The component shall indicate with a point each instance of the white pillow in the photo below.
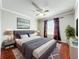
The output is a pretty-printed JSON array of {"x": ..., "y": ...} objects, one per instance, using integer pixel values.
[
  {"x": 24, "y": 36},
  {"x": 35, "y": 34}
]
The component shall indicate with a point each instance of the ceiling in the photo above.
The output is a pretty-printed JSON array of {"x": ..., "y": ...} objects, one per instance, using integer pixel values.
[{"x": 25, "y": 7}]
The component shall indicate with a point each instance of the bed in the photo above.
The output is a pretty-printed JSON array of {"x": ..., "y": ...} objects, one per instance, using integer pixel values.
[{"x": 34, "y": 47}]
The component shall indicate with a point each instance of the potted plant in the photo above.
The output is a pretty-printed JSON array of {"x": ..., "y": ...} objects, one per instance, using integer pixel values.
[{"x": 70, "y": 33}]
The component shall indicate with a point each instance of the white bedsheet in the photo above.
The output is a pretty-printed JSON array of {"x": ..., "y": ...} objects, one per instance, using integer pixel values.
[
  {"x": 21, "y": 41},
  {"x": 39, "y": 51}
]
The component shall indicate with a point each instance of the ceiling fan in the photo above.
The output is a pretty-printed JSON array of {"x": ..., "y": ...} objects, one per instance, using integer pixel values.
[{"x": 38, "y": 9}]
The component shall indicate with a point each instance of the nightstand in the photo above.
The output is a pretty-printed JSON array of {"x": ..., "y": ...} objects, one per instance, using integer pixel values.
[{"x": 8, "y": 44}]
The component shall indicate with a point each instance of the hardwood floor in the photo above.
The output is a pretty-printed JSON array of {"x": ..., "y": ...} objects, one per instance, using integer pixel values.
[
  {"x": 7, "y": 54},
  {"x": 64, "y": 53}
]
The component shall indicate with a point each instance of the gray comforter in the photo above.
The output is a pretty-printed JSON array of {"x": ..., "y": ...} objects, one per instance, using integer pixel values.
[{"x": 28, "y": 47}]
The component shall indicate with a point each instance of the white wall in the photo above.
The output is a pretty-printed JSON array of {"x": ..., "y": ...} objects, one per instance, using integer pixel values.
[
  {"x": 67, "y": 20},
  {"x": 0, "y": 24},
  {"x": 76, "y": 9},
  {"x": 9, "y": 20},
  {"x": 41, "y": 27},
  {"x": 0, "y": 32},
  {"x": 0, "y": 28}
]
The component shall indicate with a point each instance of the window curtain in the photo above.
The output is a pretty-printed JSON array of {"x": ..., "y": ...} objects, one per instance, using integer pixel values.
[
  {"x": 45, "y": 28},
  {"x": 56, "y": 29}
]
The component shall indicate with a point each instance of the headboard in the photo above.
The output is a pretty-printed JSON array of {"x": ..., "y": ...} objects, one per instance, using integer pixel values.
[{"x": 17, "y": 33}]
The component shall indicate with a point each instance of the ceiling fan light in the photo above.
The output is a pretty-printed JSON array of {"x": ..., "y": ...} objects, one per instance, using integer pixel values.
[{"x": 46, "y": 11}]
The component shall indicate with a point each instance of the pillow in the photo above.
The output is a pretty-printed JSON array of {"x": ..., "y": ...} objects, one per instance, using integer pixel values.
[
  {"x": 17, "y": 36},
  {"x": 24, "y": 36},
  {"x": 35, "y": 34}
]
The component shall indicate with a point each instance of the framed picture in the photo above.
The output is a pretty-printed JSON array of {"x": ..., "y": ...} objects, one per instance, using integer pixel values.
[
  {"x": 23, "y": 23},
  {"x": 77, "y": 27}
]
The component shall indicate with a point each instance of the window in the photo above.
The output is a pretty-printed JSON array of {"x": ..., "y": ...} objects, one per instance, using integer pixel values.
[{"x": 50, "y": 29}]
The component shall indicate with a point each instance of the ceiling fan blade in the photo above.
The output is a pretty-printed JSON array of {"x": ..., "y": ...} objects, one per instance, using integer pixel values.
[
  {"x": 38, "y": 8},
  {"x": 46, "y": 11},
  {"x": 34, "y": 4}
]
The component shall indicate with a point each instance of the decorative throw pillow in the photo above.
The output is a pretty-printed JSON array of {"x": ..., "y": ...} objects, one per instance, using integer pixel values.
[{"x": 24, "y": 36}]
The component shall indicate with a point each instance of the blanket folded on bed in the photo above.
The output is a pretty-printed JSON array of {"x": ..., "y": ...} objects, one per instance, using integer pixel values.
[{"x": 29, "y": 46}]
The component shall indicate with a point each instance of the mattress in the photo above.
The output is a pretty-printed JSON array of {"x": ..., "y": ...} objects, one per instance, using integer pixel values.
[{"x": 40, "y": 50}]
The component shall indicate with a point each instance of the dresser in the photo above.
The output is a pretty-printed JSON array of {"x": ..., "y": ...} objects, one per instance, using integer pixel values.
[{"x": 73, "y": 50}]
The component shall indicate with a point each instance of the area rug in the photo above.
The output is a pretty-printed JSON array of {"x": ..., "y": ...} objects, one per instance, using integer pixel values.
[
  {"x": 17, "y": 54},
  {"x": 54, "y": 55}
]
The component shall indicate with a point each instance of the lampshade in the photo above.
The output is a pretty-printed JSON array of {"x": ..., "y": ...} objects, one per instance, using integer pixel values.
[
  {"x": 8, "y": 35},
  {"x": 8, "y": 32}
]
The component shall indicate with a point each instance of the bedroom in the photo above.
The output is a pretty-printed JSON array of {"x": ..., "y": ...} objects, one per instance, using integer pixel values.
[{"x": 37, "y": 17}]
